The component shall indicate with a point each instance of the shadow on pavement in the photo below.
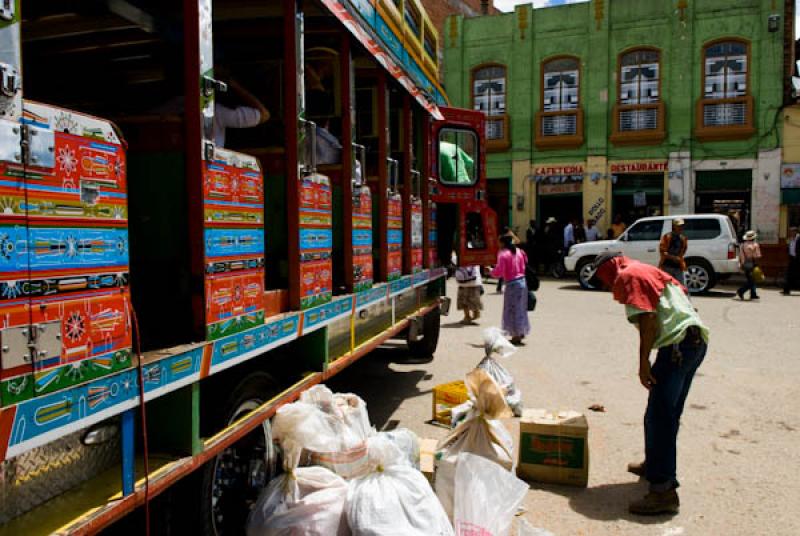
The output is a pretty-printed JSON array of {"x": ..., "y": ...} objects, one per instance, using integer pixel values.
[
  {"x": 576, "y": 286},
  {"x": 717, "y": 294},
  {"x": 382, "y": 387},
  {"x": 607, "y": 502}
]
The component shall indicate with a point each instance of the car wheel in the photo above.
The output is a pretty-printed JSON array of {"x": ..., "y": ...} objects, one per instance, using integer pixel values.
[
  {"x": 699, "y": 276},
  {"x": 585, "y": 273}
]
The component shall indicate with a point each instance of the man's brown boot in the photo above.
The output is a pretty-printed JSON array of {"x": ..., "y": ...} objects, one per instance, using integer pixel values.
[
  {"x": 656, "y": 503},
  {"x": 637, "y": 469}
]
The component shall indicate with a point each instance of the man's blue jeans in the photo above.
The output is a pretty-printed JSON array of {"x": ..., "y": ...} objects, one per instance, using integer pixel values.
[{"x": 673, "y": 372}]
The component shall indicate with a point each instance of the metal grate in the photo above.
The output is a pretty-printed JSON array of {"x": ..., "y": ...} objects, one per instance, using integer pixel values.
[
  {"x": 495, "y": 129},
  {"x": 717, "y": 115},
  {"x": 638, "y": 119},
  {"x": 559, "y": 125}
]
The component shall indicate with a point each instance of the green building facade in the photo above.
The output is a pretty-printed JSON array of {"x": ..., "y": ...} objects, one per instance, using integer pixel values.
[{"x": 628, "y": 107}]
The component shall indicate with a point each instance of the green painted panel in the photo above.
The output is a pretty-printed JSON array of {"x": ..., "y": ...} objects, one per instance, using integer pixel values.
[
  {"x": 734, "y": 179},
  {"x": 791, "y": 196}
]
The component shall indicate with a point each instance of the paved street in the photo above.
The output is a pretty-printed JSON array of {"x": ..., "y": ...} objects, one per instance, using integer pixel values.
[{"x": 738, "y": 448}]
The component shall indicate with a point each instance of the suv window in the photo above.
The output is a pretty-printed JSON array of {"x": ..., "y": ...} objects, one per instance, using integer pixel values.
[
  {"x": 645, "y": 230},
  {"x": 697, "y": 229}
]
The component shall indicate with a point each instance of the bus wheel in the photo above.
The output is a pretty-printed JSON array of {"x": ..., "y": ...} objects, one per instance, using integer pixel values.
[
  {"x": 424, "y": 347},
  {"x": 232, "y": 481}
]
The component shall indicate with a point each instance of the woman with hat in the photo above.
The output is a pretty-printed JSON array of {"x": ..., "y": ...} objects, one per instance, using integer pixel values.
[
  {"x": 749, "y": 254},
  {"x": 511, "y": 264}
]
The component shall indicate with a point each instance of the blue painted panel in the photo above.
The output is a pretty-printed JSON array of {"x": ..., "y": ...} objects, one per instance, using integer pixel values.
[
  {"x": 234, "y": 242},
  {"x": 236, "y": 345},
  {"x": 53, "y": 248},
  {"x": 171, "y": 369},
  {"x": 400, "y": 284},
  {"x": 50, "y": 412},
  {"x": 128, "y": 440},
  {"x": 311, "y": 239},
  {"x": 394, "y": 236},
  {"x": 319, "y": 315},
  {"x": 362, "y": 238},
  {"x": 371, "y": 296},
  {"x": 390, "y": 40}
]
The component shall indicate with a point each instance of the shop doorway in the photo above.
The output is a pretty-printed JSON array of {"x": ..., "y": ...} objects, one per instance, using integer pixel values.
[
  {"x": 498, "y": 191},
  {"x": 562, "y": 207},
  {"x": 726, "y": 192},
  {"x": 637, "y": 196}
]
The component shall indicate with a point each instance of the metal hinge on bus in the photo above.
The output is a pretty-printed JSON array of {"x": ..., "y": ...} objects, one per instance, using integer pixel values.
[
  {"x": 480, "y": 195},
  {"x": 9, "y": 79},
  {"x": 8, "y": 9},
  {"x": 39, "y": 146}
]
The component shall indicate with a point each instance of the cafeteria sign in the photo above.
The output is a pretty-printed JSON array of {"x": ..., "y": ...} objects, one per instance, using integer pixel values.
[
  {"x": 790, "y": 176},
  {"x": 558, "y": 174}
]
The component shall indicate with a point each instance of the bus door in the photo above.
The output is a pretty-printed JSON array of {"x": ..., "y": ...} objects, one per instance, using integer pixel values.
[{"x": 465, "y": 225}]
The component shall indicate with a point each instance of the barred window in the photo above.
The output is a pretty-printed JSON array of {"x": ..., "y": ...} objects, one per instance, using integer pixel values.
[
  {"x": 489, "y": 90},
  {"x": 561, "y": 85}
]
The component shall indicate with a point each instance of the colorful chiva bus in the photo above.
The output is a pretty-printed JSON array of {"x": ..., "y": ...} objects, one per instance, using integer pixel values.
[{"x": 170, "y": 276}]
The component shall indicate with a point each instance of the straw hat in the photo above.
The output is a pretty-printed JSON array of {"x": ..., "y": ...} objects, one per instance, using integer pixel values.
[
  {"x": 678, "y": 222},
  {"x": 750, "y": 235},
  {"x": 551, "y": 220}
]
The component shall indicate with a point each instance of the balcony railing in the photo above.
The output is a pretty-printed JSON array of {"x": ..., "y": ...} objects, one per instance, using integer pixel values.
[
  {"x": 559, "y": 129},
  {"x": 497, "y": 132},
  {"x": 638, "y": 124},
  {"x": 724, "y": 119}
]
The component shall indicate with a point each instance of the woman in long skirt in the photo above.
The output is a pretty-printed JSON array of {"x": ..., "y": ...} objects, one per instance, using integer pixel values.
[{"x": 511, "y": 263}]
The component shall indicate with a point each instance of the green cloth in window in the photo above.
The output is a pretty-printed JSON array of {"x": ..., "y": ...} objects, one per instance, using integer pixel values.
[
  {"x": 456, "y": 166},
  {"x": 674, "y": 314}
]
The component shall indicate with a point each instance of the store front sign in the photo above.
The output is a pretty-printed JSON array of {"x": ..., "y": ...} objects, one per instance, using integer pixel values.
[
  {"x": 558, "y": 174},
  {"x": 790, "y": 176},
  {"x": 639, "y": 167},
  {"x": 556, "y": 189}
]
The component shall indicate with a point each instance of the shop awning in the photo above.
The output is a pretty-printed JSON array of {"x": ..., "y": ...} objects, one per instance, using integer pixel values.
[{"x": 415, "y": 83}]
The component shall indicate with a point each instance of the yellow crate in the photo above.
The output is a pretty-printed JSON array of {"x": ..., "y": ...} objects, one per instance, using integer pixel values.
[{"x": 445, "y": 398}]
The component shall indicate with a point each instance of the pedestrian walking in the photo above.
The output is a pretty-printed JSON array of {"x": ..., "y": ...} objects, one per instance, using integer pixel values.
[
  {"x": 506, "y": 231},
  {"x": 532, "y": 239},
  {"x": 470, "y": 289},
  {"x": 749, "y": 254},
  {"x": 668, "y": 322},
  {"x": 579, "y": 232},
  {"x": 793, "y": 270},
  {"x": 511, "y": 263},
  {"x": 569, "y": 235},
  {"x": 673, "y": 249}
]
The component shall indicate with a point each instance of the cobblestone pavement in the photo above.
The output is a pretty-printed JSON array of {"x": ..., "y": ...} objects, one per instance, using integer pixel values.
[{"x": 738, "y": 448}]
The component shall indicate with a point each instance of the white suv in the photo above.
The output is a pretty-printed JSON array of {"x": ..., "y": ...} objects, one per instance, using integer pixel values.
[{"x": 711, "y": 255}]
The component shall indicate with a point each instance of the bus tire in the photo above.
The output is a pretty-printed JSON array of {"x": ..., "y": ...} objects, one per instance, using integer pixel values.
[
  {"x": 425, "y": 347},
  {"x": 231, "y": 482}
]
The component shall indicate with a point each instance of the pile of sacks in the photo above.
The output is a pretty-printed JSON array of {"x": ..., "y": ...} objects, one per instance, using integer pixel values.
[{"x": 342, "y": 477}]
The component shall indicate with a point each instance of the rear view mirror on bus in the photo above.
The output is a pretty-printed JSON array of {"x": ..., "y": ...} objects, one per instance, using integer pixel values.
[{"x": 458, "y": 157}]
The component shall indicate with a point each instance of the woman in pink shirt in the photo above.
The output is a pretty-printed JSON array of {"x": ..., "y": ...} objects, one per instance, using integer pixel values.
[{"x": 511, "y": 263}]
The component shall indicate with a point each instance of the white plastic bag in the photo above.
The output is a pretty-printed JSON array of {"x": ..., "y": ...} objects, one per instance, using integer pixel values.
[
  {"x": 317, "y": 437},
  {"x": 487, "y": 497},
  {"x": 394, "y": 499},
  {"x": 353, "y": 411},
  {"x": 407, "y": 442},
  {"x": 494, "y": 342},
  {"x": 480, "y": 433},
  {"x": 505, "y": 380},
  {"x": 305, "y": 501}
]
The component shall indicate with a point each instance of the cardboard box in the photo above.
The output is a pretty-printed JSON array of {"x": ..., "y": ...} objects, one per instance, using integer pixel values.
[
  {"x": 427, "y": 455},
  {"x": 445, "y": 398},
  {"x": 554, "y": 448}
]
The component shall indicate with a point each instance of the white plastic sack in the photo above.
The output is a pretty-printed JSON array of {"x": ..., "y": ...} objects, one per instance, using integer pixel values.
[
  {"x": 487, "y": 497},
  {"x": 504, "y": 379},
  {"x": 407, "y": 442},
  {"x": 354, "y": 414},
  {"x": 305, "y": 501},
  {"x": 304, "y": 425},
  {"x": 394, "y": 499},
  {"x": 494, "y": 342},
  {"x": 480, "y": 433}
]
